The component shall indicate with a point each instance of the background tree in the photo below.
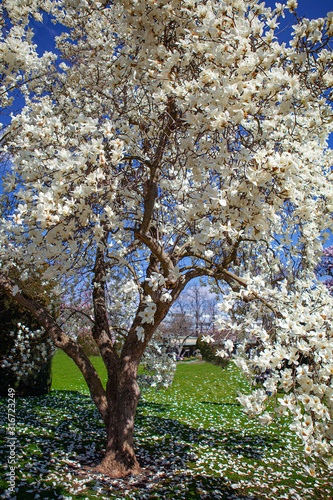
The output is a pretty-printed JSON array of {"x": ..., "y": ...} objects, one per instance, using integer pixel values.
[
  {"x": 325, "y": 268},
  {"x": 192, "y": 314},
  {"x": 170, "y": 140},
  {"x": 201, "y": 305},
  {"x": 176, "y": 328}
]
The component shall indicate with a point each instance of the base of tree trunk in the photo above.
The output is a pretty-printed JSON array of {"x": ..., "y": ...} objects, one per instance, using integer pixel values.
[{"x": 116, "y": 466}]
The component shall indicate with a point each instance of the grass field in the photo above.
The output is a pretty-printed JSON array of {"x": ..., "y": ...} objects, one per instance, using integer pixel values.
[{"x": 193, "y": 441}]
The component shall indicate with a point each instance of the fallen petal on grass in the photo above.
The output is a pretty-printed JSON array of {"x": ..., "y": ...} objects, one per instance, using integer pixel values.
[{"x": 193, "y": 441}]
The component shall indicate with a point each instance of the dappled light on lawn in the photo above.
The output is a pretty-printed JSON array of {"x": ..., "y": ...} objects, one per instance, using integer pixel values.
[{"x": 193, "y": 441}]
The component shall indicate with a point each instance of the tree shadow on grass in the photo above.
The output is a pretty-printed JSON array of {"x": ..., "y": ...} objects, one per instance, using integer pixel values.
[
  {"x": 160, "y": 407},
  {"x": 50, "y": 438},
  {"x": 44, "y": 439},
  {"x": 181, "y": 486},
  {"x": 248, "y": 445},
  {"x": 219, "y": 404}
]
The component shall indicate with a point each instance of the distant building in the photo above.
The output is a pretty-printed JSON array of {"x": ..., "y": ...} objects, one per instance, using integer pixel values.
[{"x": 184, "y": 347}]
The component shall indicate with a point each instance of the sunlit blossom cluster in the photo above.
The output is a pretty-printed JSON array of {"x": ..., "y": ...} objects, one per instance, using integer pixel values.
[
  {"x": 19, "y": 60},
  {"x": 71, "y": 157},
  {"x": 291, "y": 363},
  {"x": 159, "y": 367}
]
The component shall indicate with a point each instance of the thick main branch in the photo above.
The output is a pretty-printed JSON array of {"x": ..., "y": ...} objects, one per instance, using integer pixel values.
[
  {"x": 101, "y": 330},
  {"x": 151, "y": 186},
  {"x": 156, "y": 248}
]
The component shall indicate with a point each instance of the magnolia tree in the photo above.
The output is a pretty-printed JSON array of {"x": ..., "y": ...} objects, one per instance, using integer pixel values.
[{"x": 173, "y": 137}]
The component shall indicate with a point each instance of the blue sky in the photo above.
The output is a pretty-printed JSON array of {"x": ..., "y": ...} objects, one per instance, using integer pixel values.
[
  {"x": 317, "y": 8},
  {"x": 310, "y": 8}
]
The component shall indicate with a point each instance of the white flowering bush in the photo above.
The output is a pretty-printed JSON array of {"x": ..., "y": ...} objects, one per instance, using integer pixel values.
[{"x": 30, "y": 352}]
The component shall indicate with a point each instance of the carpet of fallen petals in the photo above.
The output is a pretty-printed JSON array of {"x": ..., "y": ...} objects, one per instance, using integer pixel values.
[{"x": 190, "y": 446}]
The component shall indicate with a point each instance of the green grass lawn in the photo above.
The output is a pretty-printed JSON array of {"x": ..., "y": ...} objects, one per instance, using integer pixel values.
[{"x": 193, "y": 440}]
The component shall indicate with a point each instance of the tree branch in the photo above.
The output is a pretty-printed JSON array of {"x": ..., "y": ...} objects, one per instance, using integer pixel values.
[
  {"x": 77, "y": 311},
  {"x": 62, "y": 341},
  {"x": 101, "y": 330},
  {"x": 157, "y": 249},
  {"x": 152, "y": 190}
]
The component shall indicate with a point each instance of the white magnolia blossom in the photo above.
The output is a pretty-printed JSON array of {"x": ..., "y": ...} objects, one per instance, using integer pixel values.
[
  {"x": 228, "y": 344},
  {"x": 147, "y": 315},
  {"x": 221, "y": 353},
  {"x": 16, "y": 290},
  {"x": 140, "y": 333},
  {"x": 156, "y": 280},
  {"x": 208, "y": 339}
]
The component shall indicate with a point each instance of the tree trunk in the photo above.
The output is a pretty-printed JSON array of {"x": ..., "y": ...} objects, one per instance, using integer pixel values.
[{"x": 123, "y": 395}]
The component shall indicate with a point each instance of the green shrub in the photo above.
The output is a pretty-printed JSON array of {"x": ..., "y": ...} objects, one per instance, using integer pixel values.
[{"x": 208, "y": 353}]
